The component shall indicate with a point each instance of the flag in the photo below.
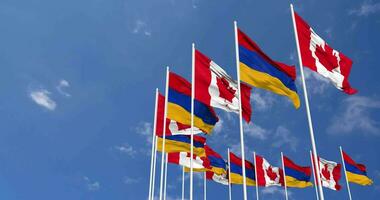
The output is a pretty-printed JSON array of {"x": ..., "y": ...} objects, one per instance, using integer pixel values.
[
  {"x": 179, "y": 105},
  {"x": 214, "y": 87},
  {"x": 267, "y": 175},
  {"x": 217, "y": 164},
  {"x": 259, "y": 70},
  {"x": 182, "y": 143},
  {"x": 184, "y": 159},
  {"x": 330, "y": 174},
  {"x": 172, "y": 127},
  {"x": 222, "y": 178},
  {"x": 212, "y": 162},
  {"x": 355, "y": 172},
  {"x": 318, "y": 56},
  {"x": 236, "y": 175},
  {"x": 295, "y": 175}
]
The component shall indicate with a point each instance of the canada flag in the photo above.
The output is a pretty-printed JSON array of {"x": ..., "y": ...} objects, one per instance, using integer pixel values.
[
  {"x": 330, "y": 174},
  {"x": 267, "y": 175},
  {"x": 318, "y": 56},
  {"x": 214, "y": 87}
]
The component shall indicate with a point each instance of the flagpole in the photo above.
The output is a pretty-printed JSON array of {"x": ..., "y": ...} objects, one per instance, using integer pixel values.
[
  {"x": 314, "y": 148},
  {"x": 154, "y": 167},
  {"x": 229, "y": 175},
  {"x": 183, "y": 183},
  {"x": 166, "y": 174},
  {"x": 164, "y": 132},
  {"x": 192, "y": 118},
  {"x": 315, "y": 180},
  {"x": 283, "y": 171},
  {"x": 240, "y": 111},
  {"x": 256, "y": 179},
  {"x": 345, "y": 172},
  {"x": 204, "y": 187},
  {"x": 153, "y": 144}
]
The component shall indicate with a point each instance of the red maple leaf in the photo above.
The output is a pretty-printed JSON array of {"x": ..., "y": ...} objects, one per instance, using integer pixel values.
[
  {"x": 325, "y": 172},
  {"x": 272, "y": 175}
]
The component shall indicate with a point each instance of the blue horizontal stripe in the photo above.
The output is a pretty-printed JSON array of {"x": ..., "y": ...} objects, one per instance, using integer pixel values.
[
  {"x": 200, "y": 110},
  {"x": 217, "y": 162},
  {"x": 184, "y": 139},
  {"x": 296, "y": 174},
  {"x": 250, "y": 173},
  {"x": 256, "y": 62},
  {"x": 353, "y": 169}
]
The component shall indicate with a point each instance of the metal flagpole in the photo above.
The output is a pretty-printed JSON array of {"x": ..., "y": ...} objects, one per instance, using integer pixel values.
[
  {"x": 345, "y": 173},
  {"x": 257, "y": 183},
  {"x": 204, "y": 187},
  {"x": 314, "y": 148},
  {"x": 154, "y": 167},
  {"x": 192, "y": 118},
  {"x": 183, "y": 183},
  {"x": 315, "y": 180},
  {"x": 229, "y": 175},
  {"x": 164, "y": 132},
  {"x": 240, "y": 111},
  {"x": 166, "y": 175},
  {"x": 283, "y": 171},
  {"x": 153, "y": 144}
]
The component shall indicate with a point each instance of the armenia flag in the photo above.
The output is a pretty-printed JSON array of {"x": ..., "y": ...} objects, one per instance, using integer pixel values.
[
  {"x": 179, "y": 105},
  {"x": 182, "y": 143},
  {"x": 236, "y": 175},
  {"x": 259, "y": 70},
  {"x": 295, "y": 175},
  {"x": 355, "y": 172}
]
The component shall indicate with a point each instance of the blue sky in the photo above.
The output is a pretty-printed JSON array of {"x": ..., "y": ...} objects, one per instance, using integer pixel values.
[{"x": 77, "y": 88}]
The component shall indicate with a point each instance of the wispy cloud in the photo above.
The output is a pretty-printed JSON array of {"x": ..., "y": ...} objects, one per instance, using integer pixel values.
[
  {"x": 42, "y": 98},
  {"x": 130, "y": 180},
  {"x": 255, "y": 131},
  {"x": 91, "y": 185},
  {"x": 140, "y": 27},
  {"x": 283, "y": 136},
  {"x": 316, "y": 84},
  {"x": 262, "y": 100},
  {"x": 365, "y": 9},
  {"x": 146, "y": 130},
  {"x": 356, "y": 115},
  {"x": 126, "y": 149},
  {"x": 61, "y": 86},
  {"x": 218, "y": 127},
  {"x": 275, "y": 190}
]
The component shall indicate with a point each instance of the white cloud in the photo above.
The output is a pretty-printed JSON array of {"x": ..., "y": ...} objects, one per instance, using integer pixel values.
[
  {"x": 262, "y": 100},
  {"x": 60, "y": 87},
  {"x": 275, "y": 190},
  {"x": 91, "y": 185},
  {"x": 141, "y": 27},
  {"x": 283, "y": 137},
  {"x": 255, "y": 131},
  {"x": 130, "y": 180},
  {"x": 356, "y": 115},
  {"x": 41, "y": 97},
  {"x": 146, "y": 130},
  {"x": 366, "y": 8},
  {"x": 126, "y": 149},
  {"x": 218, "y": 127},
  {"x": 316, "y": 84}
]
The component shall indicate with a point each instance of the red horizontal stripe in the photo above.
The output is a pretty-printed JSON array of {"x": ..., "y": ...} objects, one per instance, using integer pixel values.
[
  {"x": 349, "y": 160},
  {"x": 237, "y": 161},
  {"x": 290, "y": 164}
]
